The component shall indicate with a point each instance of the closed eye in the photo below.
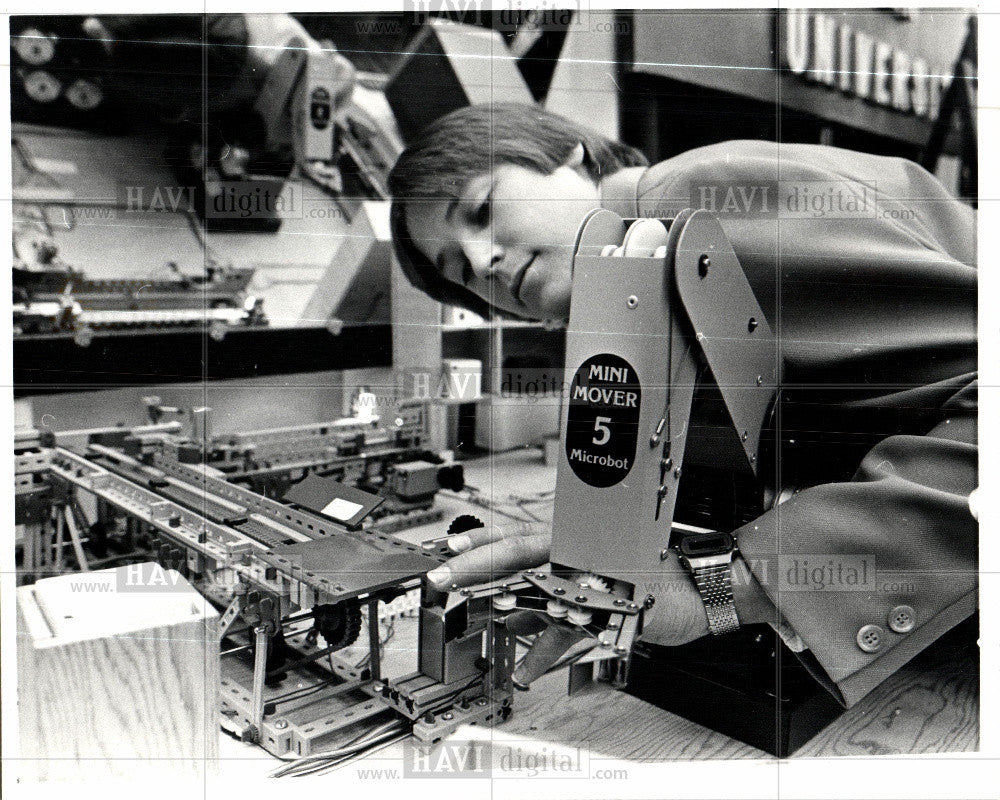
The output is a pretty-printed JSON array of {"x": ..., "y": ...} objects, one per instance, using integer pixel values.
[{"x": 482, "y": 215}]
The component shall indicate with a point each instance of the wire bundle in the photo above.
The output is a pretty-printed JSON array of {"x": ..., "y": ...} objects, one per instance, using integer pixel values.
[{"x": 319, "y": 763}]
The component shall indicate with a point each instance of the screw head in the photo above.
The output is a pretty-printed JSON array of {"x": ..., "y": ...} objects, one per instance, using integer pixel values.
[
  {"x": 632, "y": 606},
  {"x": 677, "y": 472},
  {"x": 632, "y": 301},
  {"x": 481, "y": 701},
  {"x": 760, "y": 380},
  {"x": 613, "y": 626},
  {"x": 752, "y": 324},
  {"x": 559, "y": 590},
  {"x": 619, "y": 602},
  {"x": 743, "y": 436},
  {"x": 581, "y": 598},
  {"x": 703, "y": 264},
  {"x": 447, "y": 715},
  {"x": 664, "y": 555},
  {"x": 621, "y": 649},
  {"x": 281, "y": 724}
]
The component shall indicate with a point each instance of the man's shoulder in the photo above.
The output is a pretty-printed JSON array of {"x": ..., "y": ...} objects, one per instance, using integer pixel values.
[{"x": 741, "y": 155}]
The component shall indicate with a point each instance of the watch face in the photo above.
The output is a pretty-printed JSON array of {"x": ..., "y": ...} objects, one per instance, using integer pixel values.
[{"x": 706, "y": 544}]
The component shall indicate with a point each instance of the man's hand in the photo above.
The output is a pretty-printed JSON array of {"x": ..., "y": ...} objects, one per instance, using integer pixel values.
[{"x": 483, "y": 555}]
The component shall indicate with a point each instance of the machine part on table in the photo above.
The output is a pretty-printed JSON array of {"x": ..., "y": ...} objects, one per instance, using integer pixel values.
[
  {"x": 465, "y": 522},
  {"x": 339, "y": 625}
]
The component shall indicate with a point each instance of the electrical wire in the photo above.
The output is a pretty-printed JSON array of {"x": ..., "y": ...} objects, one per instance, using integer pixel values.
[
  {"x": 396, "y": 729},
  {"x": 303, "y": 692},
  {"x": 322, "y": 768}
]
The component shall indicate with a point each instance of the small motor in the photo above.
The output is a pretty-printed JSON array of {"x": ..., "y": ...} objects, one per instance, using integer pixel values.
[{"x": 418, "y": 481}]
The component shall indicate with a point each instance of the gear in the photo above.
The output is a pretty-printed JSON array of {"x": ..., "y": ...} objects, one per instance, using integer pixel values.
[
  {"x": 339, "y": 625},
  {"x": 465, "y": 522}
]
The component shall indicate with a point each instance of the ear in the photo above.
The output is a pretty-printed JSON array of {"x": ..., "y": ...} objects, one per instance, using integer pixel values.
[{"x": 576, "y": 157}]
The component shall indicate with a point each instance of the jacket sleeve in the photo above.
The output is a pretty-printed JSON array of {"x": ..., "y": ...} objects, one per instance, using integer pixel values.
[
  {"x": 838, "y": 557},
  {"x": 874, "y": 307}
]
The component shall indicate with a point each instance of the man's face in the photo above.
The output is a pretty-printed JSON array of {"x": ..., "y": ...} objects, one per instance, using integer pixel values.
[{"x": 509, "y": 236}]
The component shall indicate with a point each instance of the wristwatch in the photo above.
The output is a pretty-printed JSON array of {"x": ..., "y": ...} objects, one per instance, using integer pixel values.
[{"x": 709, "y": 558}]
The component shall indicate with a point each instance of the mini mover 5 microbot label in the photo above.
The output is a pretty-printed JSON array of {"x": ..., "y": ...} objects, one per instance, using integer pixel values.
[{"x": 603, "y": 421}]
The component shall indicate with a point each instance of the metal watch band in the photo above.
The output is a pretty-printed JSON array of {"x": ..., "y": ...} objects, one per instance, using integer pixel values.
[{"x": 715, "y": 585}]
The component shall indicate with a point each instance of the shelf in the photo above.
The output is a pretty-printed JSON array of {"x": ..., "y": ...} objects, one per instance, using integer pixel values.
[{"x": 55, "y": 363}]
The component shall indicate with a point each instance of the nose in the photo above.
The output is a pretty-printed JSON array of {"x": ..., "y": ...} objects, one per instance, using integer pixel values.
[{"x": 483, "y": 254}]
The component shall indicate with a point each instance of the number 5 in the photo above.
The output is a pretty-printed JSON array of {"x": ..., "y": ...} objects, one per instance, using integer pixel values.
[{"x": 603, "y": 429}]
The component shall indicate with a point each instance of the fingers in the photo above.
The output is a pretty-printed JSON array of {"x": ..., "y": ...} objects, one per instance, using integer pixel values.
[
  {"x": 483, "y": 564},
  {"x": 550, "y": 645},
  {"x": 460, "y": 542}
]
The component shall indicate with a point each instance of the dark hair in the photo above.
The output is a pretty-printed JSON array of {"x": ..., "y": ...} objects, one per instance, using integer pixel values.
[{"x": 468, "y": 142}]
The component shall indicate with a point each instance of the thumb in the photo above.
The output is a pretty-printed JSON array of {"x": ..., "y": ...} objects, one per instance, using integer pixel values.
[{"x": 550, "y": 645}]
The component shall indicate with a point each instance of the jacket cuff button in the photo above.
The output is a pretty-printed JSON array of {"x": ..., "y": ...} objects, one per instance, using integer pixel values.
[
  {"x": 870, "y": 638},
  {"x": 902, "y": 619}
]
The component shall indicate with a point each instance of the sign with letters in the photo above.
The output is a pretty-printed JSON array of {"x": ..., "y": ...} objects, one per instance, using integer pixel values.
[{"x": 602, "y": 426}]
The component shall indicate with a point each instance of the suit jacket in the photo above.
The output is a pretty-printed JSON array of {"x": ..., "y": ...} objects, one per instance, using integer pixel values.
[{"x": 865, "y": 267}]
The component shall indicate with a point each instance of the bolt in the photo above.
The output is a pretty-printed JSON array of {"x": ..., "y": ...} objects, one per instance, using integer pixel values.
[
  {"x": 760, "y": 380},
  {"x": 281, "y": 724},
  {"x": 752, "y": 324},
  {"x": 466, "y": 593},
  {"x": 632, "y": 606},
  {"x": 619, "y": 602},
  {"x": 447, "y": 716},
  {"x": 743, "y": 436},
  {"x": 613, "y": 626},
  {"x": 703, "y": 264},
  {"x": 541, "y": 576},
  {"x": 621, "y": 649},
  {"x": 581, "y": 598},
  {"x": 677, "y": 472},
  {"x": 632, "y": 301},
  {"x": 481, "y": 701},
  {"x": 649, "y": 602},
  {"x": 530, "y": 573},
  {"x": 753, "y": 458},
  {"x": 559, "y": 590},
  {"x": 429, "y": 718},
  {"x": 664, "y": 555}
]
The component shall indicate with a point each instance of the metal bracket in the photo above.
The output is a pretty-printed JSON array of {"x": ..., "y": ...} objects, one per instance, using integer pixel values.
[{"x": 729, "y": 326}]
